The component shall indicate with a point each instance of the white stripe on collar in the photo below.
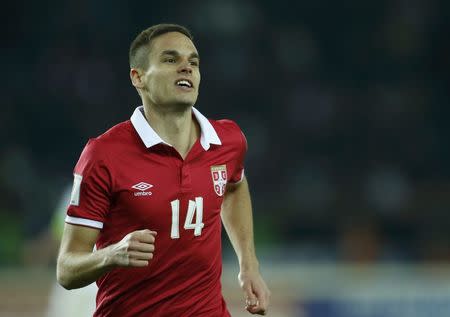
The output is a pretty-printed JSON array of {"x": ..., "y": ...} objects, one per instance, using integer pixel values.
[{"x": 150, "y": 137}]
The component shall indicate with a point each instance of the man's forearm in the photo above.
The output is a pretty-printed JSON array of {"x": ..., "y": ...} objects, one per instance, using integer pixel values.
[
  {"x": 78, "y": 269},
  {"x": 78, "y": 266},
  {"x": 238, "y": 222}
]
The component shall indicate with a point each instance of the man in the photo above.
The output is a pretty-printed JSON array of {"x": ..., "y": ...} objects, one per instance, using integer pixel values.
[{"x": 150, "y": 193}]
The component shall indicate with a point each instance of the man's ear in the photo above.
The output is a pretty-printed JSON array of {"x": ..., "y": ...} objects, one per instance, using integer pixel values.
[{"x": 136, "y": 78}]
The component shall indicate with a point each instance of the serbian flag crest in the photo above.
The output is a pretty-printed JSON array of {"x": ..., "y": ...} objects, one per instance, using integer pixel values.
[{"x": 219, "y": 177}]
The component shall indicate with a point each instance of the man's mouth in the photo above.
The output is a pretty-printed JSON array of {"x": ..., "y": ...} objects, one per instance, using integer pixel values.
[{"x": 184, "y": 83}]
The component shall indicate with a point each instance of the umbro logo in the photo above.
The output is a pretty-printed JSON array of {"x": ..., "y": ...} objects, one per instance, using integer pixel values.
[{"x": 142, "y": 187}]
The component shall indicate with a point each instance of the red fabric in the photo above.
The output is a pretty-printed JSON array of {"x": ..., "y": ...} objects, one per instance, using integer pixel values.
[{"x": 183, "y": 279}]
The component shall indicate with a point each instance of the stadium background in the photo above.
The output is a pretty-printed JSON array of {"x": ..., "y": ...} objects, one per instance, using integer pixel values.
[{"x": 345, "y": 107}]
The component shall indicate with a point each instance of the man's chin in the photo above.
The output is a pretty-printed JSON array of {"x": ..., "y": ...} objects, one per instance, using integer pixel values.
[
  {"x": 183, "y": 102},
  {"x": 177, "y": 105}
]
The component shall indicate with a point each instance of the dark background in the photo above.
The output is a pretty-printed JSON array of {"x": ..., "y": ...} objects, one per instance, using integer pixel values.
[{"x": 344, "y": 104}]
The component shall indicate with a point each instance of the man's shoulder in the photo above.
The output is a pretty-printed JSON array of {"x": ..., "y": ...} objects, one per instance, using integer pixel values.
[
  {"x": 229, "y": 132},
  {"x": 225, "y": 126},
  {"x": 114, "y": 135},
  {"x": 112, "y": 139}
]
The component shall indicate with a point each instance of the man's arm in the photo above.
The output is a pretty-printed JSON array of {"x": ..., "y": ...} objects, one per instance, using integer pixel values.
[
  {"x": 238, "y": 222},
  {"x": 78, "y": 265}
]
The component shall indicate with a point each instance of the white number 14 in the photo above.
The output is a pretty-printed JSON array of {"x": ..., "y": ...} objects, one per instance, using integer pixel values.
[{"x": 195, "y": 207}]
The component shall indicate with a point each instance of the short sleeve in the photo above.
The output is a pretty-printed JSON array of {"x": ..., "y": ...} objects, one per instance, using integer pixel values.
[
  {"x": 238, "y": 173},
  {"x": 91, "y": 191}
]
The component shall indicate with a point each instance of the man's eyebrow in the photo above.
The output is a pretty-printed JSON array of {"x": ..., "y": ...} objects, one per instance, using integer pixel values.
[
  {"x": 176, "y": 53},
  {"x": 170, "y": 52},
  {"x": 194, "y": 55}
]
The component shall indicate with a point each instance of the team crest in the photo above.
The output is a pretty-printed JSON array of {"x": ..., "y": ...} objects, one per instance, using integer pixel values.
[{"x": 219, "y": 176}]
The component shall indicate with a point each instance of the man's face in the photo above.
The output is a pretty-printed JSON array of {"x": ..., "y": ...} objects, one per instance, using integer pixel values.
[{"x": 173, "y": 75}]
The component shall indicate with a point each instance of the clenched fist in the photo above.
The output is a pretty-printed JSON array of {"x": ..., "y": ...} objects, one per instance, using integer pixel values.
[{"x": 134, "y": 250}]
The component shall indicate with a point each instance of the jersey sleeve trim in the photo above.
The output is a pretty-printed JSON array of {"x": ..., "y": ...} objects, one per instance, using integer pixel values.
[{"x": 84, "y": 222}]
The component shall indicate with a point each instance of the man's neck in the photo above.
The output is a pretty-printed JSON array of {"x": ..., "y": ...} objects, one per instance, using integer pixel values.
[{"x": 175, "y": 125}]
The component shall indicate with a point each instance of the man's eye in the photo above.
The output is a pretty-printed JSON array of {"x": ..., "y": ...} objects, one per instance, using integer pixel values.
[
  {"x": 170, "y": 60},
  {"x": 193, "y": 63}
]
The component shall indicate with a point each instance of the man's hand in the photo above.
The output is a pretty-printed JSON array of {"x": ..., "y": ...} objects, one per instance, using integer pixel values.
[
  {"x": 135, "y": 249},
  {"x": 256, "y": 292},
  {"x": 78, "y": 266}
]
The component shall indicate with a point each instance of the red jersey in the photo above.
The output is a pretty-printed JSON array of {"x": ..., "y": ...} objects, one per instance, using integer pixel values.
[{"x": 130, "y": 179}]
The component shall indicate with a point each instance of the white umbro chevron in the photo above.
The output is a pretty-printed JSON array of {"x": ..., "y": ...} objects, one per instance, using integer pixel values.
[{"x": 142, "y": 186}]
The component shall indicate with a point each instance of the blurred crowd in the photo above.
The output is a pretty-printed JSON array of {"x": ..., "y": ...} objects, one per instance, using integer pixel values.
[{"x": 344, "y": 106}]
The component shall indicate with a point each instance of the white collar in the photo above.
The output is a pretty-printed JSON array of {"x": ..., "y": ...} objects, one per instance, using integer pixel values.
[{"x": 150, "y": 137}]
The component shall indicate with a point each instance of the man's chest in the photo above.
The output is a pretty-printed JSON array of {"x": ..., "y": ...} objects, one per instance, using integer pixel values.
[{"x": 169, "y": 194}]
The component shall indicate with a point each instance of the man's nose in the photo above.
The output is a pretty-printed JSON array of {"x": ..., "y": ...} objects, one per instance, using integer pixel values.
[{"x": 185, "y": 68}]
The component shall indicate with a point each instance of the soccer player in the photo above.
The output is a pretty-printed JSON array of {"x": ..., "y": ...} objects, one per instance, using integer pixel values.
[{"x": 150, "y": 193}]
